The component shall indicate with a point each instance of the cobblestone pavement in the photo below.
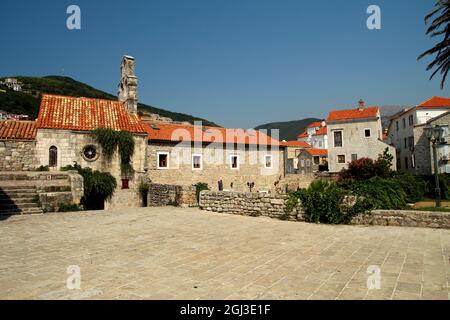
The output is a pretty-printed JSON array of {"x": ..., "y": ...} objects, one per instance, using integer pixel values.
[{"x": 174, "y": 253}]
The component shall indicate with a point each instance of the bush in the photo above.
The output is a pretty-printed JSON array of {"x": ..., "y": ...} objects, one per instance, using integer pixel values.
[
  {"x": 327, "y": 202},
  {"x": 365, "y": 168},
  {"x": 444, "y": 185},
  {"x": 199, "y": 187},
  {"x": 98, "y": 186},
  {"x": 42, "y": 168},
  {"x": 414, "y": 186}
]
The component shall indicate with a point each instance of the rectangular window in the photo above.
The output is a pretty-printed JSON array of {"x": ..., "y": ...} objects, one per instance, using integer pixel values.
[
  {"x": 316, "y": 160},
  {"x": 406, "y": 143},
  {"x": 234, "y": 162},
  {"x": 163, "y": 160},
  {"x": 406, "y": 162},
  {"x": 354, "y": 157},
  {"x": 399, "y": 164},
  {"x": 367, "y": 133},
  {"x": 338, "y": 138},
  {"x": 268, "y": 162},
  {"x": 411, "y": 142},
  {"x": 404, "y": 122},
  {"x": 396, "y": 125},
  {"x": 341, "y": 158},
  {"x": 197, "y": 162},
  {"x": 411, "y": 120},
  {"x": 302, "y": 163}
]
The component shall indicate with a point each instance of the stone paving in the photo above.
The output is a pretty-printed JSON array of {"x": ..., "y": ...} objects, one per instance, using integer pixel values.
[{"x": 175, "y": 253}]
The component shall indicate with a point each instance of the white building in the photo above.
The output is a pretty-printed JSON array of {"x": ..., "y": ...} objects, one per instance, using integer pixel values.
[
  {"x": 315, "y": 135},
  {"x": 354, "y": 134},
  {"x": 405, "y": 133}
]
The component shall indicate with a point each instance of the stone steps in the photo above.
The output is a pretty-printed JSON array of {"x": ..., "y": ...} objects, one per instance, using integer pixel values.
[{"x": 19, "y": 199}]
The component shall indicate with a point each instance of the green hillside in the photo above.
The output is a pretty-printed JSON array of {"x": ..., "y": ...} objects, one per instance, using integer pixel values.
[
  {"x": 289, "y": 130},
  {"x": 28, "y": 103}
]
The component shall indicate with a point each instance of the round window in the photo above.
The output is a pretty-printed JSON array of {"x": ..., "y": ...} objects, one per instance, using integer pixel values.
[{"x": 90, "y": 153}]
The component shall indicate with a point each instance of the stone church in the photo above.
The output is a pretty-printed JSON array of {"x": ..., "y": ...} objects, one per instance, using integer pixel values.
[{"x": 165, "y": 153}]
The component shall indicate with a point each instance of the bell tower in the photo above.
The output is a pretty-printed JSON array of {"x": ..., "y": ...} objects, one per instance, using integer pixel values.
[{"x": 128, "y": 85}]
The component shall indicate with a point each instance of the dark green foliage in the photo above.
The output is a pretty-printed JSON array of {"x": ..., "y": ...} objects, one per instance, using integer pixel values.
[
  {"x": 42, "y": 168},
  {"x": 98, "y": 186},
  {"x": 444, "y": 185},
  {"x": 326, "y": 202},
  {"x": 379, "y": 193},
  {"x": 199, "y": 187},
  {"x": 111, "y": 140},
  {"x": 69, "y": 208},
  {"x": 23, "y": 103},
  {"x": 415, "y": 187},
  {"x": 289, "y": 130}
]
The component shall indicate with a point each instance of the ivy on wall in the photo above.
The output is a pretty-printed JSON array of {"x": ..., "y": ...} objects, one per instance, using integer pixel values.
[{"x": 123, "y": 141}]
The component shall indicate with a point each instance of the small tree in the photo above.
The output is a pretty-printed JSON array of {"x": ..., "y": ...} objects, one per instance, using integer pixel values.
[{"x": 366, "y": 168}]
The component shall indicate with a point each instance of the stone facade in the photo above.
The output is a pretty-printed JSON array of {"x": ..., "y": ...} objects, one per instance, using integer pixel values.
[
  {"x": 216, "y": 167},
  {"x": 354, "y": 142},
  {"x": 17, "y": 155},
  {"x": 274, "y": 206},
  {"x": 249, "y": 204},
  {"x": 162, "y": 195}
]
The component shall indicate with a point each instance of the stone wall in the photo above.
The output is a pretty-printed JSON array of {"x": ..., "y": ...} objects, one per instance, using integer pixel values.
[
  {"x": 162, "y": 195},
  {"x": 17, "y": 155},
  {"x": 405, "y": 218},
  {"x": 216, "y": 166},
  {"x": 274, "y": 206},
  {"x": 123, "y": 198},
  {"x": 249, "y": 204}
]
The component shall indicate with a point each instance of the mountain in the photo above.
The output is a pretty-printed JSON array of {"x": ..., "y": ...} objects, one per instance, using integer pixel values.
[
  {"x": 289, "y": 130},
  {"x": 28, "y": 101}
]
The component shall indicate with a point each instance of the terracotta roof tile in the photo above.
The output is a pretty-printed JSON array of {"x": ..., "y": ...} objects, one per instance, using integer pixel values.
[
  {"x": 436, "y": 102},
  {"x": 317, "y": 152},
  {"x": 17, "y": 130},
  {"x": 188, "y": 133},
  {"x": 296, "y": 144},
  {"x": 321, "y": 132},
  {"x": 351, "y": 114},
  {"x": 85, "y": 114}
]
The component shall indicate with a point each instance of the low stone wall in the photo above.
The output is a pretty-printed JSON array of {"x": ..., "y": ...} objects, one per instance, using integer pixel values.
[
  {"x": 17, "y": 155},
  {"x": 123, "y": 198},
  {"x": 164, "y": 194},
  {"x": 249, "y": 204},
  {"x": 405, "y": 218},
  {"x": 274, "y": 206}
]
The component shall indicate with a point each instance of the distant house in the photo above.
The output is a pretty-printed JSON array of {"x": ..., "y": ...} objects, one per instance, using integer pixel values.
[
  {"x": 354, "y": 134},
  {"x": 13, "y": 84},
  {"x": 292, "y": 151},
  {"x": 312, "y": 160},
  {"x": 315, "y": 135},
  {"x": 406, "y": 134}
]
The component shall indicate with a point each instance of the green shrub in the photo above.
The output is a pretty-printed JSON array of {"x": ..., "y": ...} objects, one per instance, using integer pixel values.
[
  {"x": 327, "y": 202},
  {"x": 98, "y": 186},
  {"x": 42, "y": 168},
  {"x": 199, "y": 187},
  {"x": 414, "y": 186}
]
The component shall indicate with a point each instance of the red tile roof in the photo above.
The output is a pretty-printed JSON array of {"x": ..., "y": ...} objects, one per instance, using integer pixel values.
[
  {"x": 85, "y": 114},
  {"x": 188, "y": 133},
  {"x": 314, "y": 124},
  {"x": 295, "y": 144},
  {"x": 303, "y": 135},
  {"x": 351, "y": 114},
  {"x": 17, "y": 130},
  {"x": 436, "y": 102},
  {"x": 321, "y": 132},
  {"x": 317, "y": 152}
]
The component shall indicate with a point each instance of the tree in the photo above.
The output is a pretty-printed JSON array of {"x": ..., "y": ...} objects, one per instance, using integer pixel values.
[{"x": 438, "y": 27}]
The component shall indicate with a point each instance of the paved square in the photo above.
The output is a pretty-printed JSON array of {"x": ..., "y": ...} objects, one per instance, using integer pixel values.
[{"x": 174, "y": 253}]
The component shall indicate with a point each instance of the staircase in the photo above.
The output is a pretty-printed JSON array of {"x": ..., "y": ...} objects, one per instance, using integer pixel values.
[{"x": 19, "y": 200}]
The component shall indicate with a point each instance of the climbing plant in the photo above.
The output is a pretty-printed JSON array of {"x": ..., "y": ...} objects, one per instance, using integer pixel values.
[{"x": 123, "y": 141}]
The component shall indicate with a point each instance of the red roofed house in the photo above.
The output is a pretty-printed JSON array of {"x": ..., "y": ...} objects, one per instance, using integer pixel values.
[
  {"x": 406, "y": 134},
  {"x": 315, "y": 134},
  {"x": 354, "y": 134}
]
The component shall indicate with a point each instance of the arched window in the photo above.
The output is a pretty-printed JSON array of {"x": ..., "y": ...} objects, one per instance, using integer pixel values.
[{"x": 53, "y": 156}]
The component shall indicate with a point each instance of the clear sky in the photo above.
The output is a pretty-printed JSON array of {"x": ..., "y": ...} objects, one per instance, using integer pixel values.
[{"x": 239, "y": 63}]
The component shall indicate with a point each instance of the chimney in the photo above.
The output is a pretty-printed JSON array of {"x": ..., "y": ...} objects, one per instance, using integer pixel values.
[
  {"x": 361, "y": 105},
  {"x": 128, "y": 85}
]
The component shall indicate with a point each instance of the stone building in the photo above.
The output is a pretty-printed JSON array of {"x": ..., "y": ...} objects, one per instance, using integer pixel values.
[
  {"x": 354, "y": 134},
  {"x": 312, "y": 160},
  {"x": 191, "y": 154},
  {"x": 292, "y": 151},
  {"x": 406, "y": 134}
]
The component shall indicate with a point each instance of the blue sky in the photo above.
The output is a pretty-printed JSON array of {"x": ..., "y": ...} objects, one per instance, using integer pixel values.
[{"x": 239, "y": 63}]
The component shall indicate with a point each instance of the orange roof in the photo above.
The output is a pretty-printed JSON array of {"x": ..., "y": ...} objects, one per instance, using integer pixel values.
[
  {"x": 314, "y": 124},
  {"x": 17, "y": 130},
  {"x": 436, "y": 102},
  {"x": 351, "y": 114},
  {"x": 295, "y": 144},
  {"x": 303, "y": 135},
  {"x": 189, "y": 133},
  {"x": 317, "y": 152},
  {"x": 85, "y": 114},
  {"x": 321, "y": 132}
]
